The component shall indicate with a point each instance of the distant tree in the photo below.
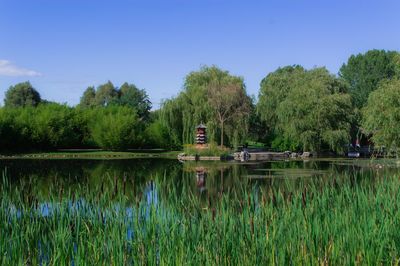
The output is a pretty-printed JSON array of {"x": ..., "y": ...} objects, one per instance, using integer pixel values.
[
  {"x": 257, "y": 127},
  {"x": 45, "y": 127},
  {"x": 127, "y": 95},
  {"x": 172, "y": 118},
  {"x": 131, "y": 96},
  {"x": 88, "y": 98},
  {"x": 114, "y": 127},
  {"x": 22, "y": 94},
  {"x": 8, "y": 134},
  {"x": 229, "y": 102},
  {"x": 309, "y": 110},
  {"x": 156, "y": 135},
  {"x": 381, "y": 115},
  {"x": 106, "y": 94},
  {"x": 55, "y": 125},
  {"x": 44, "y": 102},
  {"x": 274, "y": 88},
  {"x": 363, "y": 72},
  {"x": 317, "y": 112},
  {"x": 201, "y": 100}
]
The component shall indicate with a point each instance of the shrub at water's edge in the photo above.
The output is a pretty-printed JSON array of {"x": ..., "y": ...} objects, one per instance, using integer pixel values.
[{"x": 211, "y": 149}]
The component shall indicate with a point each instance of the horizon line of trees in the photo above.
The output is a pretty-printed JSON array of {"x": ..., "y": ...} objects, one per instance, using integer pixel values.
[{"x": 297, "y": 109}]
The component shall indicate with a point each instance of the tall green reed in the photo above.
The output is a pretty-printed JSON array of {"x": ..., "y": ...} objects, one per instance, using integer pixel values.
[{"x": 337, "y": 222}]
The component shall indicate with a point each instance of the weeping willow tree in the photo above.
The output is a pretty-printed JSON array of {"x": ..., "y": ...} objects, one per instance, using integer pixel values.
[
  {"x": 211, "y": 96},
  {"x": 306, "y": 109},
  {"x": 381, "y": 116}
]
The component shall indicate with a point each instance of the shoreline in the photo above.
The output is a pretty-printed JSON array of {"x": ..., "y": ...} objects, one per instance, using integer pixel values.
[{"x": 97, "y": 154}]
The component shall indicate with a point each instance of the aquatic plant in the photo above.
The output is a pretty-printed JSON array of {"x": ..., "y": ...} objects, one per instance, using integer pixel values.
[{"x": 342, "y": 221}]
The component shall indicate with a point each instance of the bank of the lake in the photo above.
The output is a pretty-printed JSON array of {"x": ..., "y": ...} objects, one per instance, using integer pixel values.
[{"x": 93, "y": 154}]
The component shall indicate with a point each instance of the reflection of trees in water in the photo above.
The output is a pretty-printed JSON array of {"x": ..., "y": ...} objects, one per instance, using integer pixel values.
[
  {"x": 127, "y": 176},
  {"x": 130, "y": 177}
]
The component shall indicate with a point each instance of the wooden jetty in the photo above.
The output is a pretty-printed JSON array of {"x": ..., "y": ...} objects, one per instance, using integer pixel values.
[
  {"x": 184, "y": 157},
  {"x": 260, "y": 156},
  {"x": 238, "y": 156}
]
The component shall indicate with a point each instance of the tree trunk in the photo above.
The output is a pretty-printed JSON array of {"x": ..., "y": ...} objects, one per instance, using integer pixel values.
[{"x": 222, "y": 134}]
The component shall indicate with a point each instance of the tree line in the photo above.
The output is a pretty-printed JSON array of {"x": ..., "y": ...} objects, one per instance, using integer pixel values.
[
  {"x": 107, "y": 117},
  {"x": 297, "y": 109}
]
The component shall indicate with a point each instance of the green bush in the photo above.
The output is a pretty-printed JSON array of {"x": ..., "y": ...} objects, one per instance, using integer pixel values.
[
  {"x": 211, "y": 149},
  {"x": 156, "y": 135},
  {"x": 46, "y": 126},
  {"x": 114, "y": 127}
]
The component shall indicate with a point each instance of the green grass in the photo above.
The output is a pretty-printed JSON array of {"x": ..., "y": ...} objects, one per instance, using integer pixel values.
[
  {"x": 255, "y": 144},
  {"x": 212, "y": 149},
  {"x": 343, "y": 221}
]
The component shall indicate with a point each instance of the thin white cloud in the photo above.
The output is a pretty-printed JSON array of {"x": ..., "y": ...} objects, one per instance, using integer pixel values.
[{"x": 9, "y": 69}]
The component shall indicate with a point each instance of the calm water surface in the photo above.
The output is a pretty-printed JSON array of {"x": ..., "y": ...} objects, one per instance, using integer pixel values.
[
  {"x": 137, "y": 176},
  {"x": 144, "y": 183}
]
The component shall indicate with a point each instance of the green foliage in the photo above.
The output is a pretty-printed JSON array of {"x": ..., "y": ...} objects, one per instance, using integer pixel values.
[
  {"x": 8, "y": 138},
  {"x": 172, "y": 118},
  {"x": 284, "y": 143},
  {"x": 306, "y": 110},
  {"x": 363, "y": 72},
  {"x": 297, "y": 109},
  {"x": 114, "y": 127},
  {"x": 273, "y": 90},
  {"x": 88, "y": 97},
  {"x": 55, "y": 125},
  {"x": 335, "y": 223},
  {"x": 381, "y": 115},
  {"x": 128, "y": 95},
  {"x": 212, "y": 149},
  {"x": 156, "y": 135},
  {"x": 47, "y": 126},
  {"x": 229, "y": 104},
  {"x": 133, "y": 97},
  {"x": 106, "y": 94},
  {"x": 22, "y": 94},
  {"x": 195, "y": 105},
  {"x": 258, "y": 131}
]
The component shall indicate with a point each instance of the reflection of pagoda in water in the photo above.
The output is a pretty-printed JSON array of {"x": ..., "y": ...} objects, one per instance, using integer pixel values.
[
  {"x": 201, "y": 178},
  {"x": 201, "y": 135}
]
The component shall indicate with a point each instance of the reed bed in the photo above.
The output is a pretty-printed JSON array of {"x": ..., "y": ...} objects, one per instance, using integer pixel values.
[{"x": 337, "y": 222}]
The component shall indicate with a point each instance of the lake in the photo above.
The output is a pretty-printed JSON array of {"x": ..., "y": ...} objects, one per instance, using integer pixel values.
[
  {"x": 206, "y": 179},
  {"x": 161, "y": 211}
]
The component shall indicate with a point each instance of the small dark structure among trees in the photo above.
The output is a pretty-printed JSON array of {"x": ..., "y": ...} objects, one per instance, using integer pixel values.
[{"x": 201, "y": 135}]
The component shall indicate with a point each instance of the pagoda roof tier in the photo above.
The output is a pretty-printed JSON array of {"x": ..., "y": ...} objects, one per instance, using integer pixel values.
[{"x": 201, "y": 126}]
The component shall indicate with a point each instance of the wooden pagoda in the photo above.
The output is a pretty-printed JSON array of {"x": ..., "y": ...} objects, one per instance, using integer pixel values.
[{"x": 201, "y": 135}]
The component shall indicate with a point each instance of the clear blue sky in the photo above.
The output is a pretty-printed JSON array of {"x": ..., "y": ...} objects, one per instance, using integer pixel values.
[{"x": 63, "y": 46}]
